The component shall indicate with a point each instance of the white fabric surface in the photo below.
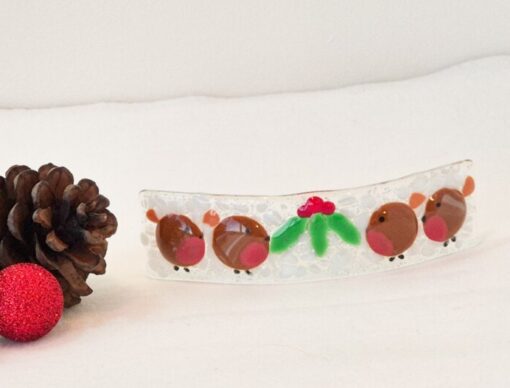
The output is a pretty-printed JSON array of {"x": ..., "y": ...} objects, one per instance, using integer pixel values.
[
  {"x": 440, "y": 324},
  {"x": 60, "y": 52}
]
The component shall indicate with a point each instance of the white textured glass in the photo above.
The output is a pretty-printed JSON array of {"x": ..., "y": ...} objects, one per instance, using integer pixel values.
[{"x": 300, "y": 262}]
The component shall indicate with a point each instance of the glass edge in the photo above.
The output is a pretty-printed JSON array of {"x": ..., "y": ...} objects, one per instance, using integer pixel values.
[{"x": 142, "y": 193}]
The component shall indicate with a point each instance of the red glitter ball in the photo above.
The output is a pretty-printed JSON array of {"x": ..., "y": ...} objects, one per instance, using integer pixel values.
[{"x": 31, "y": 302}]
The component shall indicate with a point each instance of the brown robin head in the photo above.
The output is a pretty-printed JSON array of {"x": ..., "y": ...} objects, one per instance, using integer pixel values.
[
  {"x": 445, "y": 212},
  {"x": 240, "y": 242},
  {"x": 392, "y": 229},
  {"x": 179, "y": 240}
]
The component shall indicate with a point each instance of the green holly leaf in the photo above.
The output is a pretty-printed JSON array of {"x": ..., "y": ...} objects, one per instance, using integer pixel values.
[
  {"x": 344, "y": 228},
  {"x": 318, "y": 234},
  {"x": 288, "y": 234}
]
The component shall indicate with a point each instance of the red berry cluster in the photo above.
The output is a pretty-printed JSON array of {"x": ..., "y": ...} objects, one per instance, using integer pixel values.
[{"x": 315, "y": 205}]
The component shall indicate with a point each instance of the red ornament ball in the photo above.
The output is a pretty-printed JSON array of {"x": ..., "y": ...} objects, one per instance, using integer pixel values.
[{"x": 31, "y": 302}]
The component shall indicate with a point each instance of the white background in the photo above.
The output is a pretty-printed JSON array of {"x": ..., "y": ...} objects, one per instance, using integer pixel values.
[
  {"x": 60, "y": 52},
  {"x": 441, "y": 324}
]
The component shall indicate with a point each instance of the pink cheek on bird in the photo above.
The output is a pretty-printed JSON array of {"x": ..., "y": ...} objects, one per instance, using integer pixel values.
[
  {"x": 380, "y": 243},
  {"x": 436, "y": 229},
  {"x": 190, "y": 251},
  {"x": 253, "y": 254}
]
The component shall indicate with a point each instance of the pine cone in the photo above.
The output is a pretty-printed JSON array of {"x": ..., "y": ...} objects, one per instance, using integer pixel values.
[{"x": 47, "y": 219}]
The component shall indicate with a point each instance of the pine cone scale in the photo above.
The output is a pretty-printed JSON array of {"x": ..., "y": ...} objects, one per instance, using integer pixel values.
[
  {"x": 99, "y": 249},
  {"x": 59, "y": 178},
  {"x": 92, "y": 238},
  {"x": 17, "y": 220},
  {"x": 76, "y": 282},
  {"x": 99, "y": 204},
  {"x": 42, "y": 196},
  {"x": 23, "y": 184},
  {"x": 96, "y": 220},
  {"x": 89, "y": 191},
  {"x": 72, "y": 195},
  {"x": 43, "y": 217},
  {"x": 44, "y": 170},
  {"x": 43, "y": 258},
  {"x": 84, "y": 259},
  {"x": 10, "y": 176},
  {"x": 56, "y": 244},
  {"x": 110, "y": 226}
]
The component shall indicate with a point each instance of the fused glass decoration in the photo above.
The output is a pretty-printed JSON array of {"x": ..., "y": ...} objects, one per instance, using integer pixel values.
[
  {"x": 446, "y": 212},
  {"x": 179, "y": 240},
  {"x": 240, "y": 243},
  {"x": 392, "y": 229},
  {"x": 288, "y": 235},
  {"x": 310, "y": 236},
  {"x": 318, "y": 217}
]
